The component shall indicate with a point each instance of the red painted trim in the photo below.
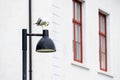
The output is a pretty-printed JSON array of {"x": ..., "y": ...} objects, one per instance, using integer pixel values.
[
  {"x": 105, "y": 43},
  {"x": 74, "y": 32},
  {"x": 77, "y": 22},
  {"x": 74, "y": 29},
  {"x": 100, "y": 47},
  {"x": 81, "y": 32}
]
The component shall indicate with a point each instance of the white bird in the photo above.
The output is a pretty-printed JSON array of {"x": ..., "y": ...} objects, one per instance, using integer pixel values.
[{"x": 42, "y": 23}]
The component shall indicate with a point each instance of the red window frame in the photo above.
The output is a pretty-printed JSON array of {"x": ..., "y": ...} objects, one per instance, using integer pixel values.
[
  {"x": 79, "y": 23},
  {"x": 104, "y": 35}
]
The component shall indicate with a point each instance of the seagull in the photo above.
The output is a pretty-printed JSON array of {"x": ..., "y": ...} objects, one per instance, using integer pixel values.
[{"x": 42, "y": 23}]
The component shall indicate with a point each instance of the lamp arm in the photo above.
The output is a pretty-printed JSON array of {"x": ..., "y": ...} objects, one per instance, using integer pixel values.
[
  {"x": 45, "y": 33},
  {"x": 34, "y": 34}
]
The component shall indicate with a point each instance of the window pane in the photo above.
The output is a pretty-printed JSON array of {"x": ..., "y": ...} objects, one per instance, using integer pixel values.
[
  {"x": 103, "y": 43},
  {"x": 77, "y": 33},
  {"x": 103, "y": 60},
  {"x": 78, "y": 56},
  {"x": 77, "y": 11},
  {"x": 102, "y": 24}
]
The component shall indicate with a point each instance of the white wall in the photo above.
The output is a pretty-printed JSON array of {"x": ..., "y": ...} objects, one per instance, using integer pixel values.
[
  {"x": 58, "y": 65},
  {"x": 13, "y": 17}
]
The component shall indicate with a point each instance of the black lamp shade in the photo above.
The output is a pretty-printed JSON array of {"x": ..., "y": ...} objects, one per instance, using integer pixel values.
[{"x": 45, "y": 44}]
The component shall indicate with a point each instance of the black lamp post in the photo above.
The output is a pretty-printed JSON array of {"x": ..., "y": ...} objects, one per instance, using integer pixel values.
[{"x": 45, "y": 45}]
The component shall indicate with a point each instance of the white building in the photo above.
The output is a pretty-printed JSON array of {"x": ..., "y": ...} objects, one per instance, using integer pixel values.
[{"x": 88, "y": 51}]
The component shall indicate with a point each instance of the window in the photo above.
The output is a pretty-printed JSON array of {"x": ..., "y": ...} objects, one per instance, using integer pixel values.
[
  {"x": 77, "y": 30},
  {"x": 102, "y": 42}
]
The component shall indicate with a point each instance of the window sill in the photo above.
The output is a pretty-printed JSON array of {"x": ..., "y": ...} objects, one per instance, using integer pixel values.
[
  {"x": 106, "y": 74},
  {"x": 77, "y": 64}
]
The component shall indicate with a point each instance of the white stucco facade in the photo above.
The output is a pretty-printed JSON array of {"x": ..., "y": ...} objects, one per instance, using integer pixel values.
[{"x": 60, "y": 64}]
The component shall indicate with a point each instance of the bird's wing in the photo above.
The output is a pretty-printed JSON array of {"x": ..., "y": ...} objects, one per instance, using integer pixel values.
[{"x": 39, "y": 21}]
